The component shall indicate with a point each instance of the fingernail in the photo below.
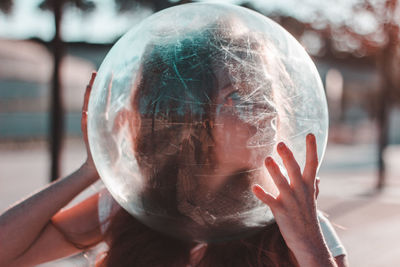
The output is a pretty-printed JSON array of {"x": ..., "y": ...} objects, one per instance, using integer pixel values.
[
  {"x": 256, "y": 187},
  {"x": 93, "y": 75},
  {"x": 281, "y": 145},
  {"x": 268, "y": 160}
]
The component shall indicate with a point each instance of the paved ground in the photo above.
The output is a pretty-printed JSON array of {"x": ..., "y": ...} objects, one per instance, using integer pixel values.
[{"x": 367, "y": 222}]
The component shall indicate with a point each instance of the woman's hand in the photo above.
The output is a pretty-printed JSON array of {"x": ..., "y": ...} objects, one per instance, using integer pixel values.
[
  {"x": 34, "y": 230},
  {"x": 295, "y": 207},
  {"x": 89, "y": 164}
]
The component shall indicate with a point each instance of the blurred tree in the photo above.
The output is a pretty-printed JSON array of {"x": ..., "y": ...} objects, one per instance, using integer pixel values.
[
  {"x": 57, "y": 107},
  {"x": 57, "y": 6},
  {"x": 155, "y": 5},
  {"x": 58, "y": 50},
  {"x": 6, "y": 5},
  {"x": 370, "y": 32}
]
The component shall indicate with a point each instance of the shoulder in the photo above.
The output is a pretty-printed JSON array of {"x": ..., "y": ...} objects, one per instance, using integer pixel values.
[{"x": 331, "y": 238}]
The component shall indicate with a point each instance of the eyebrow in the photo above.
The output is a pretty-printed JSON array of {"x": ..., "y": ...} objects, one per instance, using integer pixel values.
[
  {"x": 226, "y": 86},
  {"x": 229, "y": 92}
]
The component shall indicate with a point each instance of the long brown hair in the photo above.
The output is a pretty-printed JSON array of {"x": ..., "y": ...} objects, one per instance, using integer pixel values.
[{"x": 134, "y": 244}]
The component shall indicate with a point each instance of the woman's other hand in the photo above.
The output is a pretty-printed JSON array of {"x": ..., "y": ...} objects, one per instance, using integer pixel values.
[
  {"x": 89, "y": 164},
  {"x": 294, "y": 208},
  {"x": 37, "y": 230}
]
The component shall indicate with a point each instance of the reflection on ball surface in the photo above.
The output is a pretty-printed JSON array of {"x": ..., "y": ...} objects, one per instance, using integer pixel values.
[{"x": 184, "y": 110}]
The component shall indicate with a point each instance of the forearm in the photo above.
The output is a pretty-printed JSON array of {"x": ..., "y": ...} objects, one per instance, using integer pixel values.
[{"x": 22, "y": 224}]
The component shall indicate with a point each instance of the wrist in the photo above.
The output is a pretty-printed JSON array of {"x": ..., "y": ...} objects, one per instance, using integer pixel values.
[
  {"x": 316, "y": 260},
  {"x": 314, "y": 254},
  {"x": 89, "y": 171}
]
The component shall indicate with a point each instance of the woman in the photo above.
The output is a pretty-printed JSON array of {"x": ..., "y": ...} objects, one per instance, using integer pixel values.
[{"x": 38, "y": 230}]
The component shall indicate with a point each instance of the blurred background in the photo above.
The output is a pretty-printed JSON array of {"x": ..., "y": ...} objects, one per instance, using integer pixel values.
[{"x": 48, "y": 50}]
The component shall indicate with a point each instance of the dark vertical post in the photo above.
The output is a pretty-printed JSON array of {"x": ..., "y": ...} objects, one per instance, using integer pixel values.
[
  {"x": 387, "y": 60},
  {"x": 383, "y": 128},
  {"x": 56, "y": 112}
]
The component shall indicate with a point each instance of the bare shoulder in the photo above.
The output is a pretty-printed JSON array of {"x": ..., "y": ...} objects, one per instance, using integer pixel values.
[{"x": 80, "y": 224}]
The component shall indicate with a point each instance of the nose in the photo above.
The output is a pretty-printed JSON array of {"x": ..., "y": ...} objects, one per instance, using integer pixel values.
[{"x": 252, "y": 130}]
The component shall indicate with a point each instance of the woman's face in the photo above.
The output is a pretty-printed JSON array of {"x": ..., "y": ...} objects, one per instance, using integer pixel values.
[
  {"x": 231, "y": 133},
  {"x": 234, "y": 130},
  {"x": 217, "y": 164},
  {"x": 226, "y": 188}
]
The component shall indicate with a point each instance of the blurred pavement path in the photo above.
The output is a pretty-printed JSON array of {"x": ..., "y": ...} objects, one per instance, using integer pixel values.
[{"x": 367, "y": 222}]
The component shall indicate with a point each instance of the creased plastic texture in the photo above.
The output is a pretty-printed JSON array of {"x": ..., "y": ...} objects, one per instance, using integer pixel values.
[{"x": 184, "y": 110}]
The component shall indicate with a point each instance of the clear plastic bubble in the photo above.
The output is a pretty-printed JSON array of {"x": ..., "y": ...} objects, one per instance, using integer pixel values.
[{"x": 185, "y": 108}]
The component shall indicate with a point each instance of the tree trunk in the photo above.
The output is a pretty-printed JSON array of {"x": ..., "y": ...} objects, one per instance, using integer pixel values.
[
  {"x": 383, "y": 132},
  {"x": 56, "y": 113},
  {"x": 387, "y": 60}
]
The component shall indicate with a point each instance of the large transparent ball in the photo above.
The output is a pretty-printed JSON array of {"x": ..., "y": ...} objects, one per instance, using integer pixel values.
[{"x": 184, "y": 110}]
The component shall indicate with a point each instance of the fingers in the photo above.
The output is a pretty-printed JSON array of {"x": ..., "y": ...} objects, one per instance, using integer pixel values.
[
  {"x": 86, "y": 104},
  {"x": 290, "y": 164},
  {"x": 311, "y": 166},
  {"x": 265, "y": 197},
  {"x": 277, "y": 176},
  {"x": 297, "y": 179},
  {"x": 302, "y": 187},
  {"x": 87, "y": 93}
]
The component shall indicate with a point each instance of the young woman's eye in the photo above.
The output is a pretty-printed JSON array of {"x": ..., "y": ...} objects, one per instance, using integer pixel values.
[
  {"x": 233, "y": 99},
  {"x": 228, "y": 102}
]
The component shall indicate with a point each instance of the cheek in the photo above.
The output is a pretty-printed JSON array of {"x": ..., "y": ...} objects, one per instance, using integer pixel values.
[
  {"x": 232, "y": 131},
  {"x": 231, "y": 138},
  {"x": 241, "y": 142},
  {"x": 246, "y": 143}
]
